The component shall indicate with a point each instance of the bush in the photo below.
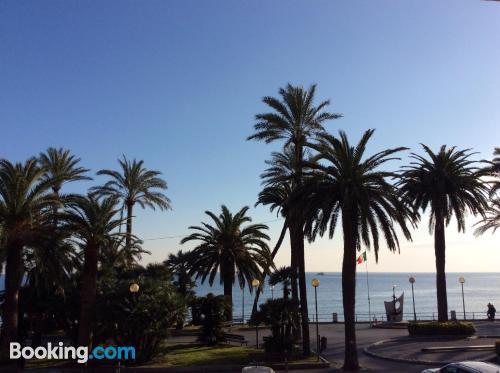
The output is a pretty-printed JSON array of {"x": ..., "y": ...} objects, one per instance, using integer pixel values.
[
  {"x": 141, "y": 319},
  {"x": 441, "y": 328},
  {"x": 211, "y": 312},
  {"x": 280, "y": 314}
]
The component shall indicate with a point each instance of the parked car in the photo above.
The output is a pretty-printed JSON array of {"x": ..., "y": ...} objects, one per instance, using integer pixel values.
[{"x": 466, "y": 367}]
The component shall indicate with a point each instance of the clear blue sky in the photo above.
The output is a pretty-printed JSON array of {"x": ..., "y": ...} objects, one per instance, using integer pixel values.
[{"x": 177, "y": 83}]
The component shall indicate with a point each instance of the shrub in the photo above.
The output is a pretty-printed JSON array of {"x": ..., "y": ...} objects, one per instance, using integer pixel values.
[
  {"x": 441, "y": 328},
  {"x": 141, "y": 319},
  {"x": 212, "y": 311},
  {"x": 280, "y": 314}
]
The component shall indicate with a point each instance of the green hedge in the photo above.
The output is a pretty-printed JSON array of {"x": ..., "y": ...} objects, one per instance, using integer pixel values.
[{"x": 441, "y": 328}]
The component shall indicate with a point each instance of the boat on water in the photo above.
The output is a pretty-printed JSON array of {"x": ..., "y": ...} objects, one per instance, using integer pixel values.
[{"x": 320, "y": 273}]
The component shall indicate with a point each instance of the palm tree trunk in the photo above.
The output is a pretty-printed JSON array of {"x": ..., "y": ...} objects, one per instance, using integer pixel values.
[
  {"x": 13, "y": 273},
  {"x": 228, "y": 294},
  {"x": 349, "y": 291},
  {"x": 88, "y": 295},
  {"x": 293, "y": 267},
  {"x": 273, "y": 254},
  {"x": 440, "y": 252},
  {"x": 128, "y": 237},
  {"x": 299, "y": 234},
  {"x": 293, "y": 278}
]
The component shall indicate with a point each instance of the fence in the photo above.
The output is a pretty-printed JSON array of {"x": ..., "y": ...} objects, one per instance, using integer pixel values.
[{"x": 375, "y": 316}]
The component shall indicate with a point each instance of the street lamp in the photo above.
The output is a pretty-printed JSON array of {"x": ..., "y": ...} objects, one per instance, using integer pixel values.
[
  {"x": 315, "y": 284},
  {"x": 272, "y": 292},
  {"x": 412, "y": 281},
  {"x": 462, "y": 281},
  {"x": 134, "y": 288},
  {"x": 256, "y": 284}
]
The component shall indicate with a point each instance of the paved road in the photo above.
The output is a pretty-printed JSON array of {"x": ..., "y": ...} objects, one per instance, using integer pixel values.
[{"x": 365, "y": 336}]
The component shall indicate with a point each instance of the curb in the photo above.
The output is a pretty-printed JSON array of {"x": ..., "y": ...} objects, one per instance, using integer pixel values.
[{"x": 367, "y": 351}]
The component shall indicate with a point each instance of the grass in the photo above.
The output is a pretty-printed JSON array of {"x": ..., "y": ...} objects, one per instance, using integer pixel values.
[{"x": 194, "y": 354}]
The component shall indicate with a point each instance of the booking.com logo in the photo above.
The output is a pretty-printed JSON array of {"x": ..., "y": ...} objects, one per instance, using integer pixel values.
[{"x": 80, "y": 354}]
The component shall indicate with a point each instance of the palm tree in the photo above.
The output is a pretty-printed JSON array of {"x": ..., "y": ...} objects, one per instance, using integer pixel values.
[
  {"x": 60, "y": 166},
  {"x": 448, "y": 183},
  {"x": 119, "y": 256},
  {"x": 134, "y": 184},
  {"x": 491, "y": 220},
  {"x": 180, "y": 265},
  {"x": 281, "y": 276},
  {"x": 495, "y": 170},
  {"x": 232, "y": 248},
  {"x": 350, "y": 186},
  {"x": 276, "y": 194},
  {"x": 50, "y": 262},
  {"x": 25, "y": 201},
  {"x": 295, "y": 119},
  {"x": 93, "y": 223}
]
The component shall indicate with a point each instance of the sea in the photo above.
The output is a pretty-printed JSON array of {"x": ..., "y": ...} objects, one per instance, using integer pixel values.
[{"x": 479, "y": 289}]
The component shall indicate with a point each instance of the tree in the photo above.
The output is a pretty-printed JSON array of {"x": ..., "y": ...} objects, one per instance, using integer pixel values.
[
  {"x": 229, "y": 246},
  {"x": 61, "y": 167},
  {"x": 448, "y": 183},
  {"x": 93, "y": 223},
  {"x": 281, "y": 276},
  {"x": 134, "y": 184},
  {"x": 49, "y": 261},
  {"x": 140, "y": 319},
  {"x": 25, "y": 201},
  {"x": 491, "y": 220},
  {"x": 180, "y": 265},
  {"x": 296, "y": 120},
  {"x": 495, "y": 171},
  {"x": 350, "y": 186},
  {"x": 276, "y": 194}
]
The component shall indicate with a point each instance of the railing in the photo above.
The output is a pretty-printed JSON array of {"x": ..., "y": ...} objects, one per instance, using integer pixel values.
[{"x": 379, "y": 316}]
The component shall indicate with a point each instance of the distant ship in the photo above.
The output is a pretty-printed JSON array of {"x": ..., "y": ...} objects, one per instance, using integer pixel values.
[{"x": 320, "y": 273}]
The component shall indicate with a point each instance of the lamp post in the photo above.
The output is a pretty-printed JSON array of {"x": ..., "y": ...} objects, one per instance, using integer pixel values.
[
  {"x": 272, "y": 292},
  {"x": 462, "y": 281},
  {"x": 315, "y": 284},
  {"x": 394, "y": 297},
  {"x": 412, "y": 281},
  {"x": 256, "y": 284},
  {"x": 243, "y": 304}
]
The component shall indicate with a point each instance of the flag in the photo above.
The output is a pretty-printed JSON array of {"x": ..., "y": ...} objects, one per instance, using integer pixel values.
[{"x": 361, "y": 258}]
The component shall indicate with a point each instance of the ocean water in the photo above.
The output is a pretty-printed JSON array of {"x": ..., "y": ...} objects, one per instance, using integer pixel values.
[{"x": 479, "y": 289}]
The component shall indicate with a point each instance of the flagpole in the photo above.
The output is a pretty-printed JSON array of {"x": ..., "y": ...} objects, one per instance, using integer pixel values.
[{"x": 368, "y": 290}]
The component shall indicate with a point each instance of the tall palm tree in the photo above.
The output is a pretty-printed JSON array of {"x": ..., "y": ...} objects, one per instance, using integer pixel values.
[
  {"x": 276, "y": 194},
  {"x": 25, "y": 200},
  {"x": 134, "y": 184},
  {"x": 448, "y": 183},
  {"x": 232, "y": 248},
  {"x": 295, "y": 119},
  {"x": 93, "y": 222},
  {"x": 60, "y": 166},
  {"x": 350, "y": 186},
  {"x": 491, "y": 220}
]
